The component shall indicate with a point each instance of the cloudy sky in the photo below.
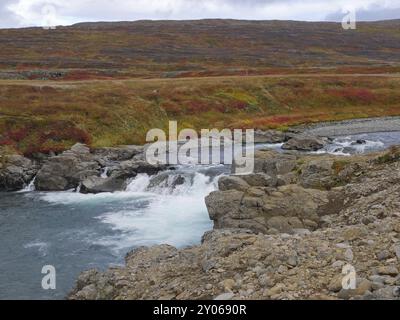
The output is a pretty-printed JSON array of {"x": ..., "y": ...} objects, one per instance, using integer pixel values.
[{"x": 21, "y": 13}]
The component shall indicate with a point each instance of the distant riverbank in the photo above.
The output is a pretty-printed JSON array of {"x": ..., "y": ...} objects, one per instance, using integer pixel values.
[{"x": 353, "y": 127}]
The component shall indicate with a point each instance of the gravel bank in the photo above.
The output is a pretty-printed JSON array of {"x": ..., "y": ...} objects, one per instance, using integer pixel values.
[{"x": 351, "y": 127}]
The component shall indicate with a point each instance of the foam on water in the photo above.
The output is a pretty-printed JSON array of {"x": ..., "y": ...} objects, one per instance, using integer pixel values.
[
  {"x": 177, "y": 214},
  {"x": 166, "y": 208},
  {"x": 348, "y": 145},
  {"x": 42, "y": 247}
]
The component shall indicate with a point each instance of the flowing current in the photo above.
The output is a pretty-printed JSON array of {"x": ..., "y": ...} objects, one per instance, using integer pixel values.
[{"x": 76, "y": 232}]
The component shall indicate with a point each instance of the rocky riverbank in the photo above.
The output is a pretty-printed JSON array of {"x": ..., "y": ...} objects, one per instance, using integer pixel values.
[
  {"x": 109, "y": 169},
  {"x": 285, "y": 232},
  {"x": 80, "y": 168}
]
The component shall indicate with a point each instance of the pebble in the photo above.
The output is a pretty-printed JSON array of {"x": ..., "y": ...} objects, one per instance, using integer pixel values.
[
  {"x": 336, "y": 284},
  {"x": 292, "y": 261},
  {"x": 348, "y": 255},
  {"x": 388, "y": 270},
  {"x": 225, "y": 296},
  {"x": 397, "y": 251},
  {"x": 338, "y": 264},
  {"x": 383, "y": 255},
  {"x": 228, "y": 284}
]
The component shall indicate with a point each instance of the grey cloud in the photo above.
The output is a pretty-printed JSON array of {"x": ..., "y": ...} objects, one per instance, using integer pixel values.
[
  {"x": 7, "y": 18},
  {"x": 369, "y": 15}
]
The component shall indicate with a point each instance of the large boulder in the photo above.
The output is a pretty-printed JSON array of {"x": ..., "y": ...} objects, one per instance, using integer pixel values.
[
  {"x": 305, "y": 143},
  {"x": 281, "y": 209},
  {"x": 16, "y": 172},
  {"x": 318, "y": 173},
  {"x": 67, "y": 170},
  {"x": 232, "y": 183},
  {"x": 99, "y": 185}
]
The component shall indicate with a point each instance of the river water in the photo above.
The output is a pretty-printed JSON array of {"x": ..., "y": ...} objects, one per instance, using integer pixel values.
[{"x": 76, "y": 232}]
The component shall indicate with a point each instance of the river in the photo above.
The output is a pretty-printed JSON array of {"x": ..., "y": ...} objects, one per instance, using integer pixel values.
[{"x": 76, "y": 232}]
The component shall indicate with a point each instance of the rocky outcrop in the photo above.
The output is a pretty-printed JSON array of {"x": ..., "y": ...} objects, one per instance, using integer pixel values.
[
  {"x": 305, "y": 143},
  {"x": 271, "y": 210},
  {"x": 81, "y": 166},
  {"x": 67, "y": 170},
  {"x": 16, "y": 172},
  {"x": 98, "y": 184},
  {"x": 291, "y": 241}
]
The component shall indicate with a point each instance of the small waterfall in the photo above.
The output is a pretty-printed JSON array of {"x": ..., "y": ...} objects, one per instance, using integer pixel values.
[
  {"x": 166, "y": 208},
  {"x": 139, "y": 184},
  {"x": 104, "y": 174},
  {"x": 30, "y": 187}
]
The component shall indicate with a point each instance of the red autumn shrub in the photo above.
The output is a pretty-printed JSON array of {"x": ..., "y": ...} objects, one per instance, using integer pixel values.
[
  {"x": 18, "y": 134},
  {"x": 353, "y": 95}
]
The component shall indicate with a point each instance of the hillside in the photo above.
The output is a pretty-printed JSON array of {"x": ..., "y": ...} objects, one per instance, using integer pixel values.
[
  {"x": 197, "y": 48},
  {"x": 134, "y": 76},
  {"x": 48, "y": 115}
]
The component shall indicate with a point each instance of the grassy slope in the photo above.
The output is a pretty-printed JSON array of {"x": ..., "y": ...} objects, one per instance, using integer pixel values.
[
  {"x": 52, "y": 115},
  {"x": 43, "y": 116}
]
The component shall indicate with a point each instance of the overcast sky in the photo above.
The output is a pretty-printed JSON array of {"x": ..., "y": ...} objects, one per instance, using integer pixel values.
[{"x": 21, "y": 13}]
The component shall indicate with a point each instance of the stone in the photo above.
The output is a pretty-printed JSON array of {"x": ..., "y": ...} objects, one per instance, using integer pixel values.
[
  {"x": 397, "y": 251},
  {"x": 259, "y": 180},
  {"x": 349, "y": 255},
  {"x": 336, "y": 284},
  {"x": 99, "y": 185},
  {"x": 68, "y": 170},
  {"x": 305, "y": 143},
  {"x": 383, "y": 255},
  {"x": 388, "y": 270},
  {"x": 353, "y": 233},
  {"x": 224, "y": 296},
  {"x": 228, "y": 284},
  {"x": 232, "y": 183},
  {"x": 363, "y": 287},
  {"x": 16, "y": 172}
]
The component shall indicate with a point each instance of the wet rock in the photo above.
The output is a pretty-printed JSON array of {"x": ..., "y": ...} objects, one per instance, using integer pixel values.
[
  {"x": 305, "y": 143},
  {"x": 99, "y": 185},
  {"x": 131, "y": 168},
  {"x": 67, "y": 170},
  {"x": 16, "y": 172},
  {"x": 358, "y": 142}
]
